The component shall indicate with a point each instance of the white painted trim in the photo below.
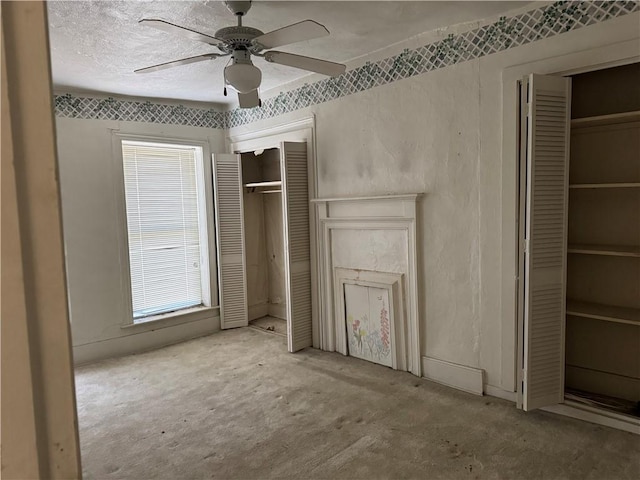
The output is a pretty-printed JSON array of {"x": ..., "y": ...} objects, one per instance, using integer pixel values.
[
  {"x": 615, "y": 54},
  {"x": 499, "y": 393},
  {"x": 453, "y": 375},
  {"x": 173, "y": 318},
  {"x": 138, "y": 342},
  {"x": 39, "y": 416},
  {"x": 411, "y": 196},
  {"x": 210, "y": 296},
  {"x": 597, "y": 416},
  {"x": 388, "y": 212},
  {"x": 239, "y": 141}
]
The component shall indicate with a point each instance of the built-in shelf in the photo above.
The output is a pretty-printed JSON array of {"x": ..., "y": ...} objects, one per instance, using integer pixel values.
[
  {"x": 276, "y": 183},
  {"x": 608, "y": 313},
  {"x": 606, "y": 185},
  {"x": 611, "y": 250},
  {"x": 606, "y": 119}
]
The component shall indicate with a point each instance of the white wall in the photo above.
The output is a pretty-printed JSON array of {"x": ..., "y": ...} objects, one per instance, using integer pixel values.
[
  {"x": 441, "y": 133},
  {"x": 255, "y": 254},
  {"x": 274, "y": 236},
  {"x": 91, "y": 222}
]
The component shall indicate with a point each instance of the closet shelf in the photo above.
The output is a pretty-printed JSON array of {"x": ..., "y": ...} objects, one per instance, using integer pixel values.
[
  {"x": 276, "y": 183},
  {"x": 606, "y": 119},
  {"x": 611, "y": 250},
  {"x": 608, "y": 313},
  {"x": 606, "y": 185}
]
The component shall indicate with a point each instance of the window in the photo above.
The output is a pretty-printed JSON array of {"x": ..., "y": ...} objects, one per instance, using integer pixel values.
[{"x": 166, "y": 227}]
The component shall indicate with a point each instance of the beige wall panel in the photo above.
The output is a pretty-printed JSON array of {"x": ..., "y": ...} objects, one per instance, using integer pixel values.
[
  {"x": 606, "y": 154},
  {"x": 604, "y": 279},
  {"x": 274, "y": 230},
  {"x": 255, "y": 249},
  {"x": 607, "y": 216},
  {"x": 605, "y": 346}
]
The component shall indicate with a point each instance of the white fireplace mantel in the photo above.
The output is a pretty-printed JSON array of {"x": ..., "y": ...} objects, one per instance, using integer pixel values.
[{"x": 368, "y": 218}]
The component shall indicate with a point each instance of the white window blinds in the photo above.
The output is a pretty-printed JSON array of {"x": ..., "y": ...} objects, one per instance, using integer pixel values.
[{"x": 163, "y": 205}]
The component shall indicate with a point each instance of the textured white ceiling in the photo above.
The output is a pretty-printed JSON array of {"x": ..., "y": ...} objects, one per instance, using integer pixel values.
[{"x": 96, "y": 45}]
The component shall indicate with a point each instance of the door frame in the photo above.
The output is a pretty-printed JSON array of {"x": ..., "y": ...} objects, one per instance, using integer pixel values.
[
  {"x": 301, "y": 130},
  {"x": 39, "y": 416},
  {"x": 614, "y": 55}
]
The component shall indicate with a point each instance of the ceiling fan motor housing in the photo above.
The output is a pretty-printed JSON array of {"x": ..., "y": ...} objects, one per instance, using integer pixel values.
[
  {"x": 239, "y": 37},
  {"x": 238, "y": 8}
]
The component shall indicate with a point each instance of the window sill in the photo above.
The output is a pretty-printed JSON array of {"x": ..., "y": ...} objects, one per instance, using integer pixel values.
[{"x": 175, "y": 318}]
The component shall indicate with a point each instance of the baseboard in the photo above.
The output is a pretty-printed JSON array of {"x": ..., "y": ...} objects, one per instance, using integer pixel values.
[
  {"x": 143, "y": 341},
  {"x": 258, "y": 311},
  {"x": 500, "y": 393},
  {"x": 278, "y": 310},
  {"x": 453, "y": 375}
]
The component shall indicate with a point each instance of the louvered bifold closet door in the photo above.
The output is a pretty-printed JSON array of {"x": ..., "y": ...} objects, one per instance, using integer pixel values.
[
  {"x": 227, "y": 183},
  {"x": 547, "y": 155},
  {"x": 295, "y": 188}
]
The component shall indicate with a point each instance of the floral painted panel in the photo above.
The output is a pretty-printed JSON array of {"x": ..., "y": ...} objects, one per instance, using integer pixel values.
[{"x": 368, "y": 324}]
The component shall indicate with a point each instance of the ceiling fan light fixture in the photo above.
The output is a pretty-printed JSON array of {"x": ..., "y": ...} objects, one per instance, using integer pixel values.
[
  {"x": 243, "y": 77},
  {"x": 241, "y": 43}
]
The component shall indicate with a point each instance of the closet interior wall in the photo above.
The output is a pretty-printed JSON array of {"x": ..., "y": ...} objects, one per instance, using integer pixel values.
[
  {"x": 603, "y": 259},
  {"x": 264, "y": 235}
]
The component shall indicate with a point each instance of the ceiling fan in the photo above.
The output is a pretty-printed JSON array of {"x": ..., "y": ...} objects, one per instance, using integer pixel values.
[{"x": 241, "y": 42}]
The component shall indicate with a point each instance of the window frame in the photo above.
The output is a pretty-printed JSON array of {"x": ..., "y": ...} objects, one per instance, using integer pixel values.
[{"x": 208, "y": 248}]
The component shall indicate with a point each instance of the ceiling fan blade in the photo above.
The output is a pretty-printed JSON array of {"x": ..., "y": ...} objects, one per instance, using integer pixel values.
[
  {"x": 175, "y": 63},
  {"x": 249, "y": 100},
  {"x": 297, "y": 32},
  {"x": 305, "y": 63},
  {"x": 177, "y": 29}
]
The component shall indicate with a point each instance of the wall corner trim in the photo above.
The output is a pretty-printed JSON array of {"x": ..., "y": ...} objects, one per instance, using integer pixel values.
[{"x": 464, "y": 378}]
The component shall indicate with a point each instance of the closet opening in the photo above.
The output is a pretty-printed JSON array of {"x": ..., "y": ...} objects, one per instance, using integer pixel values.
[
  {"x": 579, "y": 245},
  {"x": 264, "y": 240},
  {"x": 602, "y": 355}
]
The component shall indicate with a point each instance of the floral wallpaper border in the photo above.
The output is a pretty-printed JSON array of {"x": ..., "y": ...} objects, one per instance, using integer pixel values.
[
  {"x": 89, "y": 108},
  {"x": 505, "y": 33}
]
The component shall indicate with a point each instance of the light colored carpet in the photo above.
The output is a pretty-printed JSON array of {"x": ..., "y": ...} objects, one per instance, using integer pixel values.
[{"x": 236, "y": 405}]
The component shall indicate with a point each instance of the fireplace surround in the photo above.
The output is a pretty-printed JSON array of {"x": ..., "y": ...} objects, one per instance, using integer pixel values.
[{"x": 369, "y": 242}]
